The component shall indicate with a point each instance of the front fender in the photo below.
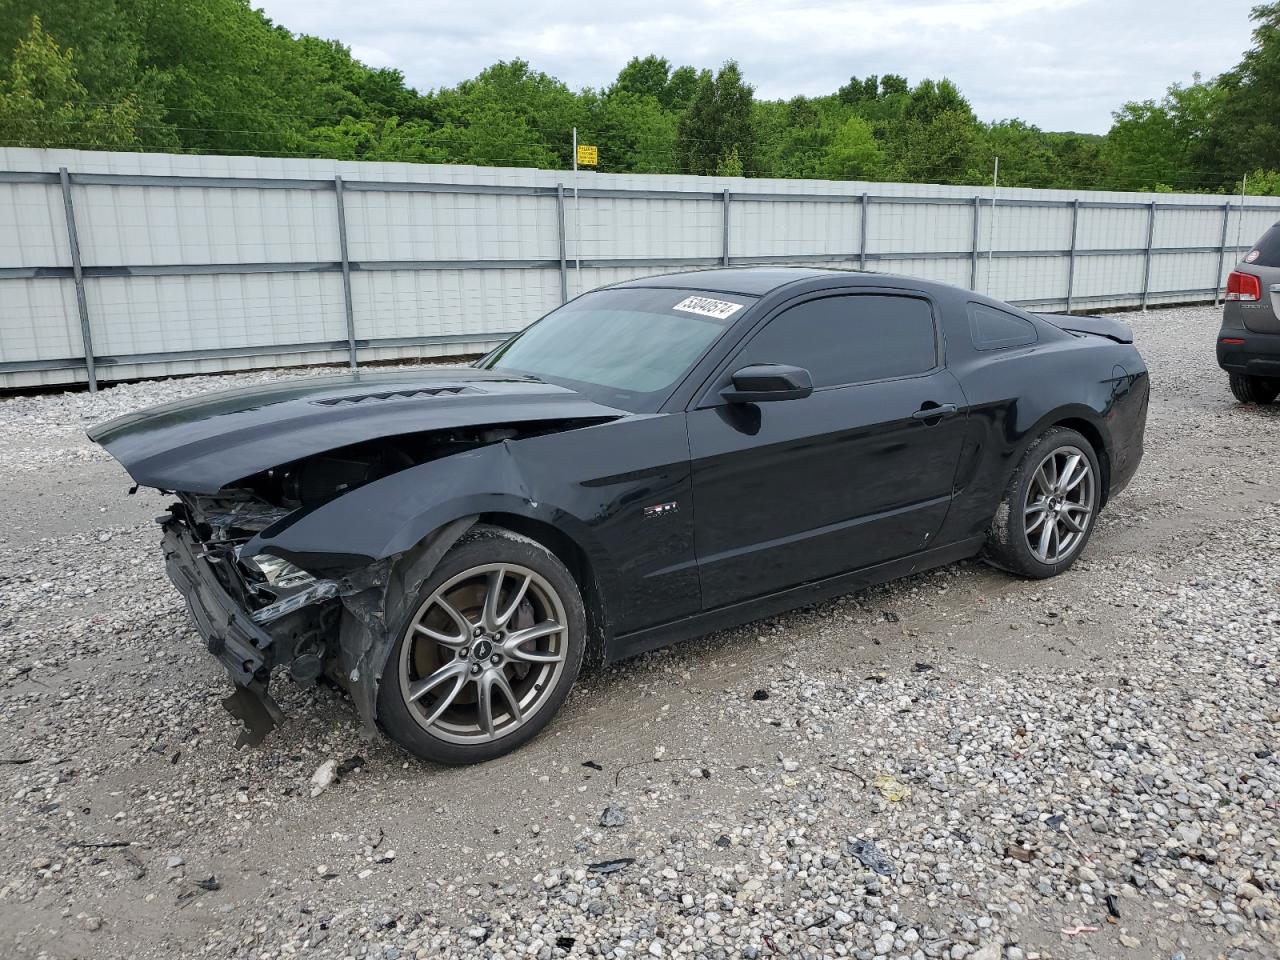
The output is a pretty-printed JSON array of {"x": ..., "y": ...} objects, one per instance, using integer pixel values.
[
  {"x": 406, "y": 523},
  {"x": 392, "y": 515}
]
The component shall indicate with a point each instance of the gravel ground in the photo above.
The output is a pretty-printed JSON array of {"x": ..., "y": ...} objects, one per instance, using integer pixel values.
[{"x": 958, "y": 765}]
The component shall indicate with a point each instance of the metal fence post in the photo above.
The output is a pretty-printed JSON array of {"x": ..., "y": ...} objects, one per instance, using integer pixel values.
[
  {"x": 862, "y": 238},
  {"x": 73, "y": 239},
  {"x": 346, "y": 270},
  {"x": 1071, "y": 253},
  {"x": 564, "y": 262},
  {"x": 973, "y": 259},
  {"x": 1222, "y": 252},
  {"x": 724, "y": 229},
  {"x": 1146, "y": 267}
]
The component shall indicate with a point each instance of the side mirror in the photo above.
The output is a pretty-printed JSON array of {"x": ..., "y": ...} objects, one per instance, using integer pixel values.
[{"x": 762, "y": 382}]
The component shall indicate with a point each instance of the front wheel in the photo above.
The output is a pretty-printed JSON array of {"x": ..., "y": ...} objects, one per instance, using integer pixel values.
[
  {"x": 487, "y": 653},
  {"x": 1249, "y": 389},
  {"x": 1048, "y": 510}
]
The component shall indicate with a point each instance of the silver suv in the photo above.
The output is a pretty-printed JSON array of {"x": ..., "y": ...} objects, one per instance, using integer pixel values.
[{"x": 1249, "y": 341}]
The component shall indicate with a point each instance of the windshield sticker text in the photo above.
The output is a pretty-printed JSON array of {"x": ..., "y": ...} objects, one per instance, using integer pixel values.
[{"x": 706, "y": 307}]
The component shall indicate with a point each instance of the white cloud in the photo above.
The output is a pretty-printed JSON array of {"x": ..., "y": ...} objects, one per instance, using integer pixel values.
[{"x": 1060, "y": 64}]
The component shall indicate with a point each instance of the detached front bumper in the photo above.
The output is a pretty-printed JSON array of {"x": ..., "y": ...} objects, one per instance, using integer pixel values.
[
  {"x": 297, "y": 631},
  {"x": 229, "y": 632},
  {"x": 336, "y": 628}
]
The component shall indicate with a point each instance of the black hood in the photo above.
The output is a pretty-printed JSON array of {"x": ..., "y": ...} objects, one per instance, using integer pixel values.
[{"x": 203, "y": 444}]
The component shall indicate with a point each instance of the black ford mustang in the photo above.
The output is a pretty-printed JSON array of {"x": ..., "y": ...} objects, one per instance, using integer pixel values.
[{"x": 647, "y": 463}]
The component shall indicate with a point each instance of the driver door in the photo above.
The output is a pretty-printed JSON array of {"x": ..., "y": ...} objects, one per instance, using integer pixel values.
[{"x": 858, "y": 473}]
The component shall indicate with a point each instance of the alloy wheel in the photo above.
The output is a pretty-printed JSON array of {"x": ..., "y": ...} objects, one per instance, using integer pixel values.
[
  {"x": 483, "y": 653},
  {"x": 1060, "y": 504}
]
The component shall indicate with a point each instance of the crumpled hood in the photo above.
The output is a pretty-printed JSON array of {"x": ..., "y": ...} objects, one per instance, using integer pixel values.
[{"x": 203, "y": 444}]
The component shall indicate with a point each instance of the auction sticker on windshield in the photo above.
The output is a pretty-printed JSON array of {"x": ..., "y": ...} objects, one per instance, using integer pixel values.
[{"x": 705, "y": 306}]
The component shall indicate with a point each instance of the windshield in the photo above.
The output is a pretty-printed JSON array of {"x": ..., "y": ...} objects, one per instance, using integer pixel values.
[{"x": 628, "y": 348}]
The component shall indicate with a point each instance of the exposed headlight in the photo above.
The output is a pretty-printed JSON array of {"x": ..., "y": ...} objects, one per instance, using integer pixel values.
[{"x": 279, "y": 573}]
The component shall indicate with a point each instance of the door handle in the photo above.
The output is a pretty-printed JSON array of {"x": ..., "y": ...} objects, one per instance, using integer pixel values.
[{"x": 937, "y": 411}]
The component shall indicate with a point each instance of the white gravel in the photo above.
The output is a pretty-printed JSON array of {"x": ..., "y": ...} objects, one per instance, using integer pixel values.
[{"x": 960, "y": 765}]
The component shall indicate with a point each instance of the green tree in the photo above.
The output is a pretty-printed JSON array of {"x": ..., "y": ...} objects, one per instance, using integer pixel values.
[
  {"x": 1077, "y": 159},
  {"x": 1243, "y": 132},
  {"x": 853, "y": 153},
  {"x": 859, "y": 91},
  {"x": 718, "y": 123},
  {"x": 635, "y": 134},
  {"x": 929, "y": 100},
  {"x": 1026, "y": 158},
  {"x": 1158, "y": 141},
  {"x": 645, "y": 77},
  {"x": 42, "y": 104},
  {"x": 945, "y": 149},
  {"x": 219, "y": 76},
  {"x": 800, "y": 141},
  {"x": 681, "y": 88},
  {"x": 730, "y": 164},
  {"x": 1261, "y": 183},
  {"x": 509, "y": 114}
]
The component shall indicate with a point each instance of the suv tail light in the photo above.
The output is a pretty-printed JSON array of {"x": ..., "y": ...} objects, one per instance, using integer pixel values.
[{"x": 1243, "y": 286}]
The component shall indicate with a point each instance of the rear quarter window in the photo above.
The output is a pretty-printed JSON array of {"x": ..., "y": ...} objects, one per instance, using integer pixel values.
[
  {"x": 992, "y": 329},
  {"x": 1266, "y": 252}
]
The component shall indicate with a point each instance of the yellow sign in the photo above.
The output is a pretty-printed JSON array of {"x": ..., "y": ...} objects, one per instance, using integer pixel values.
[{"x": 588, "y": 156}]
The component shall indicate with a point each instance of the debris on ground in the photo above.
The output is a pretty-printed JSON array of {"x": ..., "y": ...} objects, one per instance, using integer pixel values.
[
  {"x": 870, "y": 856},
  {"x": 1077, "y": 930},
  {"x": 349, "y": 766},
  {"x": 611, "y": 866},
  {"x": 325, "y": 776},
  {"x": 891, "y": 788}
]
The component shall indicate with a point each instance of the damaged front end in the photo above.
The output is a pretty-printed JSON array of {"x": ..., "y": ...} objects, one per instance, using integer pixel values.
[
  {"x": 258, "y": 612},
  {"x": 305, "y": 521},
  {"x": 253, "y": 614}
]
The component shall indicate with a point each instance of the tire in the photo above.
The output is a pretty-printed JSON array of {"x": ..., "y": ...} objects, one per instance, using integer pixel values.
[
  {"x": 1018, "y": 540},
  {"x": 1249, "y": 389},
  {"x": 438, "y": 675}
]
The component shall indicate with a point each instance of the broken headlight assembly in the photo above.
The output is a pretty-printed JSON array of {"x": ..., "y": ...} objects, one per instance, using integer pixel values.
[{"x": 279, "y": 574}]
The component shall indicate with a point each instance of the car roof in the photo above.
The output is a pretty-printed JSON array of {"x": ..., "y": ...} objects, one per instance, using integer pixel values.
[{"x": 751, "y": 281}]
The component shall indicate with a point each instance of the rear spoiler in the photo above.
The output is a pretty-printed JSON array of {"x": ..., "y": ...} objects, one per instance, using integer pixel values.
[{"x": 1116, "y": 330}]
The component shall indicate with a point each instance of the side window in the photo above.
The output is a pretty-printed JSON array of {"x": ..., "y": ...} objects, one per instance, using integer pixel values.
[
  {"x": 993, "y": 329},
  {"x": 849, "y": 339}
]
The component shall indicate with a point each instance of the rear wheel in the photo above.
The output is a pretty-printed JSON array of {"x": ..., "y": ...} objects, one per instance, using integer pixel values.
[
  {"x": 1048, "y": 510},
  {"x": 1249, "y": 389},
  {"x": 487, "y": 653}
]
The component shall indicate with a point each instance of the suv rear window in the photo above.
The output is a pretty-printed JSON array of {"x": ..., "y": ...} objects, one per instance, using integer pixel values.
[{"x": 1266, "y": 252}]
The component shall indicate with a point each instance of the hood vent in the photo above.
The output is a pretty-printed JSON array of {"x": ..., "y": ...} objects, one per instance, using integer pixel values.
[{"x": 396, "y": 395}]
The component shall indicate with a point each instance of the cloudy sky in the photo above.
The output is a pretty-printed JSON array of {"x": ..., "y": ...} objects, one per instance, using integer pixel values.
[{"x": 1060, "y": 64}]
